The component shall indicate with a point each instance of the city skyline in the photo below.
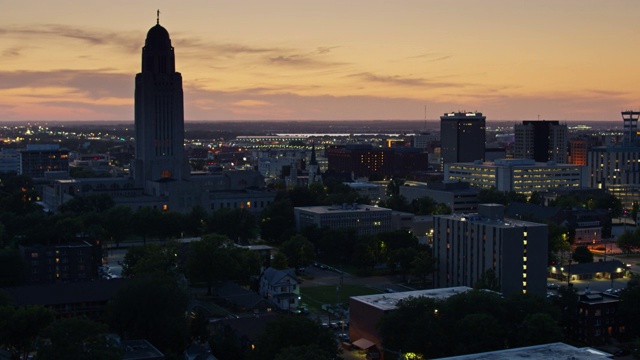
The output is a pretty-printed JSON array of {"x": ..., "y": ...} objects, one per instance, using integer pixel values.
[{"x": 330, "y": 60}]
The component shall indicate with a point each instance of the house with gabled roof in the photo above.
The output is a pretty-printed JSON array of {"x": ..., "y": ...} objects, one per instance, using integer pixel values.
[{"x": 281, "y": 287}]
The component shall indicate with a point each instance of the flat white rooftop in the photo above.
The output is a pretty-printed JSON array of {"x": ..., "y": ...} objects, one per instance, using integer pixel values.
[
  {"x": 342, "y": 208},
  {"x": 553, "y": 351},
  {"x": 389, "y": 301}
]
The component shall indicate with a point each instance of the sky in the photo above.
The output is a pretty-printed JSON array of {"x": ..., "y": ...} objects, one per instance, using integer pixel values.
[{"x": 326, "y": 60}]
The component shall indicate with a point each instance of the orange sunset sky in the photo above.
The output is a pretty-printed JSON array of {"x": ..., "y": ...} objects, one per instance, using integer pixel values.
[{"x": 326, "y": 60}]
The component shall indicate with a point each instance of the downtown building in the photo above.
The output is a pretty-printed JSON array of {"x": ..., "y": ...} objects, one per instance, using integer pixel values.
[
  {"x": 616, "y": 168},
  {"x": 524, "y": 176},
  {"x": 364, "y": 160},
  {"x": 462, "y": 137},
  {"x": 467, "y": 246},
  {"x": 541, "y": 141},
  {"x": 365, "y": 219},
  {"x": 161, "y": 175}
]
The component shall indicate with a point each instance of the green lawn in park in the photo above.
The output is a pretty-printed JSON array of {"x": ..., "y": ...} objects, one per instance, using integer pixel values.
[{"x": 315, "y": 296}]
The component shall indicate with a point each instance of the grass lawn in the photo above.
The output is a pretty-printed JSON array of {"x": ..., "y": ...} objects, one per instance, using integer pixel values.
[{"x": 318, "y": 295}]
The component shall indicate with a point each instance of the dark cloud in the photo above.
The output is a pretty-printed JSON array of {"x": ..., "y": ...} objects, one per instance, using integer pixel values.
[
  {"x": 12, "y": 52},
  {"x": 126, "y": 41},
  {"x": 95, "y": 84},
  {"x": 431, "y": 57},
  {"x": 404, "y": 81}
]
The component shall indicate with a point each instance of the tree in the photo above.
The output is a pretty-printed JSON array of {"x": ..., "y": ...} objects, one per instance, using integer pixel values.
[
  {"x": 482, "y": 332},
  {"x": 299, "y": 251},
  {"x": 20, "y": 328},
  {"x": 225, "y": 343},
  {"x": 629, "y": 310},
  {"x": 13, "y": 268},
  {"x": 117, "y": 223},
  {"x": 363, "y": 255},
  {"x": 88, "y": 203},
  {"x": 557, "y": 241},
  {"x": 152, "y": 308},
  {"x": 396, "y": 202},
  {"x": 539, "y": 328},
  {"x": 423, "y": 265},
  {"x": 491, "y": 196},
  {"x": 239, "y": 225},
  {"x": 307, "y": 352},
  {"x": 77, "y": 338},
  {"x": 150, "y": 259},
  {"x": 280, "y": 261},
  {"x": 403, "y": 258},
  {"x": 146, "y": 222},
  {"x": 423, "y": 206},
  {"x": 582, "y": 254},
  {"x": 294, "y": 331},
  {"x": 488, "y": 280},
  {"x": 415, "y": 326},
  {"x": 629, "y": 240},
  {"x": 276, "y": 219},
  {"x": 442, "y": 209},
  {"x": 209, "y": 260}
]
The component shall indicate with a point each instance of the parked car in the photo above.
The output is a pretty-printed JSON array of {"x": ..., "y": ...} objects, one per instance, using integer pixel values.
[{"x": 552, "y": 286}]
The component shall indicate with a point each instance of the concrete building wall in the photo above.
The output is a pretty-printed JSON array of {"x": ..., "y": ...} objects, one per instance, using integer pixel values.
[{"x": 468, "y": 246}]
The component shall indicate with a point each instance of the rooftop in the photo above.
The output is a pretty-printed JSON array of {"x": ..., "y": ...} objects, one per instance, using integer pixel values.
[
  {"x": 502, "y": 223},
  {"x": 538, "y": 352},
  {"x": 342, "y": 208},
  {"x": 389, "y": 301}
]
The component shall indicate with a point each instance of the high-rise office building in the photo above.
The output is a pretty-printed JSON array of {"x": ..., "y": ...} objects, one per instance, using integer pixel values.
[
  {"x": 159, "y": 114},
  {"x": 462, "y": 137},
  {"x": 541, "y": 141},
  {"x": 37, "y": 159}
]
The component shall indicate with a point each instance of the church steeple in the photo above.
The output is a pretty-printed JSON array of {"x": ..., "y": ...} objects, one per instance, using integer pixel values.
[{"x": 313, "y": 154}]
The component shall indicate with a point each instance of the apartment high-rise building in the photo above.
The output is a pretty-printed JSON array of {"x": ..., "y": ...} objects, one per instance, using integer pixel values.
[
  {"x": 462, "y": 137},
  {"x": 467, "y": 246},
  {"x": 541, "y": 141}
]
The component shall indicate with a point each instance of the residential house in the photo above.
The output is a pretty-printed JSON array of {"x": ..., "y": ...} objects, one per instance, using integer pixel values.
[{"x": 281, "y": 287}]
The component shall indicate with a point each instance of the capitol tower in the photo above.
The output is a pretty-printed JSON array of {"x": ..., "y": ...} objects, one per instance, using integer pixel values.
[{"x": 159, "y": 116}]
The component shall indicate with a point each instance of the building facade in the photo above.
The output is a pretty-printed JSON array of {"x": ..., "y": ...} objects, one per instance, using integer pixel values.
[
  {"x": 469, "y": 245},
  {"x": 541, "y": 141},
  {"x": 616, "y": 169},
  {"x": 523, "y": 176},
  {"x": 458, "y": 196},
  {"x": 366, "y": 160},
  {"x": 578, "y": 152},
  {"x": 61, "y": 263},
  {"x": 37, "y": 159},
  {"x": 462, "y": 137},
  {"x": 366, "y": 219}
]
